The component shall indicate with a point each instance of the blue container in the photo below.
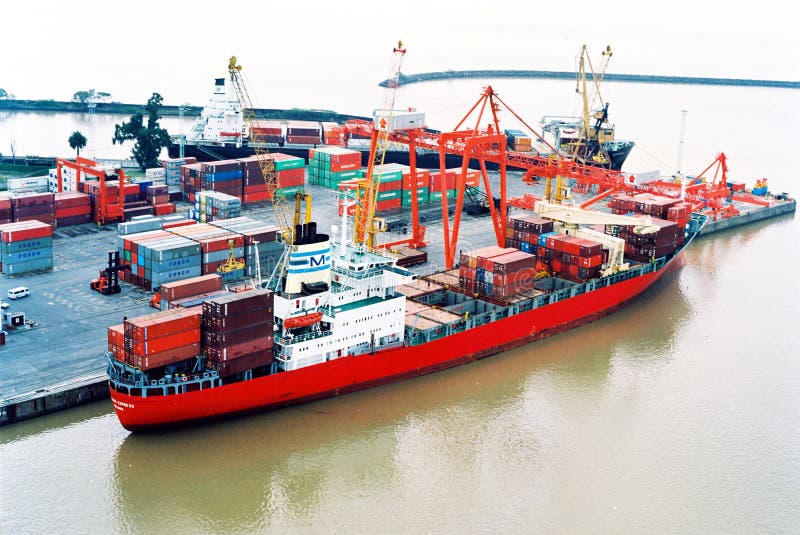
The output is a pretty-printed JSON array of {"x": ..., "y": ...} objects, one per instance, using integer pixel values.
[
  {"x": 26, "y": 245},
  {"x": 543, "y": 238},
  {"x": 479, "y": 274},
  {"x": 232, "y": 275},
  {"x": 143, "y": 186},
  {"x": 525, "y": 247},
  {"x": 30, "y": 265},
  {"x": 27, "y": 255},
  {"x": 160, "y": 277}
]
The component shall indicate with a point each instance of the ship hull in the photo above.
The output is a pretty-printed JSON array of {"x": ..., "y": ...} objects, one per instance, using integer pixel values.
[
  {"x": 351, "y": 373},
  {"x": 229, "y": 152}
]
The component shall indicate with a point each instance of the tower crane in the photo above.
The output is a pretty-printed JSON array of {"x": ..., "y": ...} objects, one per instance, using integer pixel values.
[
  {"x": 384, "y": 129},
  {"x": 288, "y": 218}
]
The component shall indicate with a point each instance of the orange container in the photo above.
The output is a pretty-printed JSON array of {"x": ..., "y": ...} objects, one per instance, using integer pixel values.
[
  {"x": 161, "y": 324},
  {"x": 147, "y": 362},
  {"x": 151, "y": 346}
]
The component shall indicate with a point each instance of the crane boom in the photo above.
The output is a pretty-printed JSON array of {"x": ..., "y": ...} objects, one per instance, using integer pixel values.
[
  {"x": 286, "y": 217},
  {"x": 577, "y": 216}
]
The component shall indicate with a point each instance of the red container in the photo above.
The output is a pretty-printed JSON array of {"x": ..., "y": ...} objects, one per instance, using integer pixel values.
[
  {"x": 219, "y": 340},
  {"x": 162, "y": 324},
  {"x": 171, "y": 291},
  {"x": 171, "y": 356},
  {"x": 244, "y": 348},
  {"x": 233, "y": 322},
  {"x": 162, "y": 209},
  {"x": 238, "y": 303},
  {"x": 151, "y": 346},
  {"x": 243, "y": 363},
  {"x": 590, "y": 261},
  {"x": 387, "y": 205},
  {"x": 25, "y": 230},
  {"x": 292, "y": 177}
]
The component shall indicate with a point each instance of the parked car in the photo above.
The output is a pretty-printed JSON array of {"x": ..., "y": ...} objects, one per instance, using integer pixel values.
[{"x": 18, "y": 292}]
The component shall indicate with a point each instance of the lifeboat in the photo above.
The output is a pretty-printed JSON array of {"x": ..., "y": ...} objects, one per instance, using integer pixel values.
[{"x": 306, "y": 320}]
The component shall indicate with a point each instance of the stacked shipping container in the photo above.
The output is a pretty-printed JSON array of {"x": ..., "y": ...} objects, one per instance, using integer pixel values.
[
  {"x": 328, "y": 166},
  {"x": 72, "y": 208},
  {"x": 238, "y": 331},
  {"x": 25, "y": 246},
  {"x": 496, "y": 272},
  {"x": 572, "y": 258},
  {"x": 6, "y": 215},
  {"x": 645, "y": 247},
  {"x": 158, "y": 256},
  {"x": 215, "y": 246},
  {"x": 211, "y": 205},
  {"x": 260, "y": 240},
  {"x": 34, "y": 206},
  {"x": 160, "y": 339}
]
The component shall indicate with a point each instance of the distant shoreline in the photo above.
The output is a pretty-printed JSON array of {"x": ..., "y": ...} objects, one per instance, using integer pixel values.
[
  {"x": 166, "y": 111},
  {"x": 406, "y": 79}
]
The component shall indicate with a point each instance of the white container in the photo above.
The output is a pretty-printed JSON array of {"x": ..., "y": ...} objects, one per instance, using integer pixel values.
[
  {"x": 394, "y": 120},
  {"x": 155, "y": 172}
]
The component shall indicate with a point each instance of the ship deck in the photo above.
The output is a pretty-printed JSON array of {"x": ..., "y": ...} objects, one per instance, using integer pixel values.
[{"x": 67, "y": 336}]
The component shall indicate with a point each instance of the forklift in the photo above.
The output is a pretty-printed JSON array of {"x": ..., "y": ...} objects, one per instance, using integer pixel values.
[{"x": 107, "y": 281}]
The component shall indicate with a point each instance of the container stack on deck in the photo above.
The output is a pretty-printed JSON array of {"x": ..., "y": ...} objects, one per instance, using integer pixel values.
[
  {"x": 158, "y": 256},
  {"x": 266, "y": 131},
  {"x": 25, "y": 246},
  {"x": 238, "y": 331},
  {"x": 498, "y": 272},
  {"x": 572, "y": 258},
  {"x": 652, "y": 205},
  {"x": 524, "y": 232},
  {"x": 189, "y": 292},
  {"x": 645, "y": 247},
  {"x": 333, "y": 134},
  {"x": 72, "y": 208},
  {"x": 160, "y": 339},
  {"x": 328, "y": 166}
]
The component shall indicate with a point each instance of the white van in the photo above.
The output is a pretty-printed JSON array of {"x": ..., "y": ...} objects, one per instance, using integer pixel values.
[{"x": 20, "y": 291}]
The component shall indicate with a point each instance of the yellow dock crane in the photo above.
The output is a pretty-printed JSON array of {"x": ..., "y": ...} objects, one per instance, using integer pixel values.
[{"x": 286, "y": 215}]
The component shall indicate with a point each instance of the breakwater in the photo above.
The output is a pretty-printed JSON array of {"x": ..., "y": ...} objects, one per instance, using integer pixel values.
[{"x": 406, "y": 79}]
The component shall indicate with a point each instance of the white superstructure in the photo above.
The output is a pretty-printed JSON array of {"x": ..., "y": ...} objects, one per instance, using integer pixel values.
[
  {"x": 360, "y": 312},
  {"x": 221, "y": 120}
]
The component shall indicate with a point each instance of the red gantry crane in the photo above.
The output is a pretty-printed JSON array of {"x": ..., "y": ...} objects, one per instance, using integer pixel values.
[{"x": 107, "y": 208}]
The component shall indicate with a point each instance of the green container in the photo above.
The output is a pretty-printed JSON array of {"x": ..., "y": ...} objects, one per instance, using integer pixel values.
[
  {"x": 289, "y": 163},
  {"x": 289, "y": 192},
  {"x": 389, "y": 195},
  {"x": 422, "y": 197}
]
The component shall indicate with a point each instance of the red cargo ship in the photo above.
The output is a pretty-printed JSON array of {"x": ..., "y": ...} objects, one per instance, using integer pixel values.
[{"x": 377, "y": 324}]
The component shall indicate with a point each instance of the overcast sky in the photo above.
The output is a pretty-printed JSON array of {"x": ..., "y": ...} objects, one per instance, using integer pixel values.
[{"x": 297, "y": 52}]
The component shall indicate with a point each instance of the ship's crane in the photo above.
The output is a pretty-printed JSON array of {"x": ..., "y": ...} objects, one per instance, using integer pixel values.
[
  {"x": 383, "y": 130},
  {"x": 592, "y": 134},
  {"x": 571, "y": 219},
  {"x": 288, "y": 217}
]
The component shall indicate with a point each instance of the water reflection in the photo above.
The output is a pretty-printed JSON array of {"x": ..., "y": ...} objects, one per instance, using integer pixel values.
[{"x": 277, "y": 470}]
